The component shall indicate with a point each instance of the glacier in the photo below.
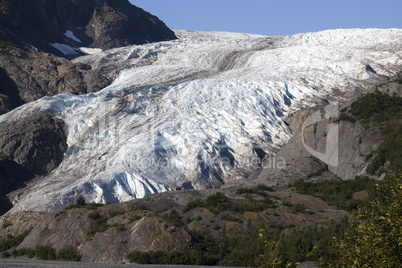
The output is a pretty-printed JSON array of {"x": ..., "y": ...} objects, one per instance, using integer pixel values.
[{"x": 198, "y": 112}]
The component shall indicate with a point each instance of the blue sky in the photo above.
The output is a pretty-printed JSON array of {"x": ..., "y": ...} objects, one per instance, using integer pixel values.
[{"x": 275, "y": 17}]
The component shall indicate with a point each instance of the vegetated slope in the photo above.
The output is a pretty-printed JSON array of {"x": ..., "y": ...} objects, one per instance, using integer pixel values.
[
  {"x": 198, "y": 112},
  {"x": 200, "y": 226},
  {"x": 369, "y": 141}
]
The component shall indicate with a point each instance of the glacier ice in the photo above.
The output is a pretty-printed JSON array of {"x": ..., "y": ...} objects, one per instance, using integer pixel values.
[{"x": 197, "y": 112}]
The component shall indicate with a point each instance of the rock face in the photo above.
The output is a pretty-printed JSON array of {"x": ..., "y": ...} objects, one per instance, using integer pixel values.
[
  {"x": 31, "y": 146},
  {"x": 142, "y": 225},
  {"x": 80, "y": 23},
  {"x": 300, "y": 163},
  {"x": 35, "y": 142},
  {"x": 26, "y": 79},
  {"x": 59, "y": 27},
  {"x": 355, "y": 142},
  {"x": 131, "y": 231}
]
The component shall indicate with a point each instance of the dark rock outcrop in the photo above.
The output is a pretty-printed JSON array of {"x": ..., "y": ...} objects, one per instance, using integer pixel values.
[
  {"x": 42, "y": 74},
  {"x": 9, "y": 93},
  {"x": 36, "y": 142},
  {"x": 31, "y": 146},
  {"x": 94, "y": 23},
  {"x": 12, "y": 175},
  {"x": 28, "y": 28}
]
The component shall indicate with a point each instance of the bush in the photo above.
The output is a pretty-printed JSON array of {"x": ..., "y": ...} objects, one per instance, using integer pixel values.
[
  {"x": 68, "y": 254},
  {"x": 389, "y": 150},
  {"x": 30, "y": 253},
  {"x": 192, "y": 205},
  {"x": 207, "y": 250},
  {"x": 5, "y": 254},
  {"x": 338, "y": 193},
  {"x": 231, "y": 218},
  {"x": 218, "y": 202},
  {"x": 135, "y": 218},
  {"x": 345, "y": 117},
  {"x": 377, "y": 106},
  {"x": 141, "y": 207},
  {"x": 50, "y": 254},
  {"x": 299, "y": 208},
  {"x": 45, "y": 253},
  {"x": 100, "y": 221},
  {"x": 376, "y": 241},
  {"x": 79, "y": 203},
  {"x": 6, "y": 224},
  {"x": 13, "y": 241},
  {"x": 173, "y": 218}
]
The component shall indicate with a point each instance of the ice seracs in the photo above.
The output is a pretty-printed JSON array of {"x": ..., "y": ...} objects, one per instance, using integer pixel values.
[{"x": 198, "y": 112}]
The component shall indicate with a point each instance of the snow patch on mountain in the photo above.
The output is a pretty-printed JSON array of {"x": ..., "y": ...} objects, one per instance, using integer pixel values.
[
  {"x": 90, "y": 51},
  {"x": 71, "y": 35},
  {"x": 197, "y": 112},
  {"x": 65, "y": 49}
]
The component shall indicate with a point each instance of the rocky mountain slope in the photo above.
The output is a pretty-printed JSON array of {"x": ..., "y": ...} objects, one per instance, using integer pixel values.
[
  {"x": 198, "y": 112},
  {"x": 109, "y": 233},
  {"x": 357, "y": 141},
  {"x": 61, "y": 26},
  {"x": 33, "y": 34}
]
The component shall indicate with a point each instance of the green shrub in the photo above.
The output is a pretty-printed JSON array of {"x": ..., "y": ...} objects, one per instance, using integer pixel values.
[
  {"x": 207, "y": 250},
  {"x": 345, "y": 117},
  {"x": 116, "y": 213},
  {"x": 45, "y": 253},
  {"x": 141, "y": 207},
  {"x": 5, "y": 254},
  {"x": 317, "y": 173},
  {"x": 79, "y": 203},
  {"x": 174, "y": 218},
  {"x": 100, "y": 221},
  {"x": 135, "y": 218},
  {"x": 389, "y": 150},
  {"x": 376, "y": 241},
  {"x": 6, "y": 224},
  {"x": 68, "y": 254},
  {"x": 378, "y": 107},
  {"x": 12, "y": 242},
  {"x": 94, "y": 206},
  {"x": 231, "y": 218},
  {"x": 217, "y": 227},
  {"x": 30, "y": 253},
  {"x": 338, "y": 193},
  {"x": 192, "y": 205},
  {"x": 218, "y": 202},
  {"x": 299, "y": 208}
]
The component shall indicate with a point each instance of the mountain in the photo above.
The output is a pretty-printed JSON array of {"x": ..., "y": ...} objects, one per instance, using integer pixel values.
[
  {"x": 360, "y": 145},
  {"x": 219, "y": 227},
  {"x": 159, "y": 223},
  {"x": 200, "y": 112},
  {"x": 36, "y": 37},
  {"x": 60, "y": 27}
]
